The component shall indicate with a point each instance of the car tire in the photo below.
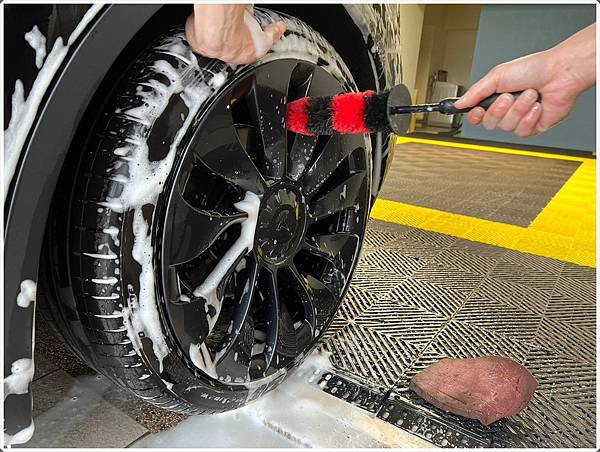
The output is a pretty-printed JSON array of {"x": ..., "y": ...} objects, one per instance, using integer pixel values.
[{"x": 207, "y": 248}]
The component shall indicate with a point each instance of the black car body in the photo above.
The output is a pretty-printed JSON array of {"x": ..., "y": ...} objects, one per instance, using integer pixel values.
[{"x": 84, "y": 43}]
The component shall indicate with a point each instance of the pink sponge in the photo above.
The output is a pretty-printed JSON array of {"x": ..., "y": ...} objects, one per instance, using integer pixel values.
[{"x": 487, "y": 388}]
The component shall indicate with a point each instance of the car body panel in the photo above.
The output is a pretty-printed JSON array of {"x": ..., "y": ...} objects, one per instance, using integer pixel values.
[
  {"x": 86, "y": 63},
  {"x": 28, "y": 203}
]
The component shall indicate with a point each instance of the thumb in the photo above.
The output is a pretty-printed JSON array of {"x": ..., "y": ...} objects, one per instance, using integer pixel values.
[
  {"x": 275, "y": 31},
  {"x": 480, "y": 90}
]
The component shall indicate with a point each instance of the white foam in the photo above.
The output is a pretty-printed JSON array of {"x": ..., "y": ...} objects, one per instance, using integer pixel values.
[
  {"x": 37, "y": 41},
  {"x": 262, "y": 41},
  {"x": 199, "y": 353},
  {"x": 111, "y": 280},
  {"x": 208, "y": 289},
  {"x": 20, "y": 377},
  {"x": 202, "y": 359},
  {"x": 23, "y": 110},
  {"x": 27, "y": 293},
  {"x": 21, "y": 437},
  {"x": 113, "y": 231},
  {"x": 146, "y": 180}
]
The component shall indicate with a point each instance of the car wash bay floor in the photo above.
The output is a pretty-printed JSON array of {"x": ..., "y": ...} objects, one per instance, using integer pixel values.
[{"x": 471, "y": 251}]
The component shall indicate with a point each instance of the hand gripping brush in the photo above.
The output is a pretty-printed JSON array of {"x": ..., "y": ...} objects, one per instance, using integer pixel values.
[{"x": 366, "y": 112}]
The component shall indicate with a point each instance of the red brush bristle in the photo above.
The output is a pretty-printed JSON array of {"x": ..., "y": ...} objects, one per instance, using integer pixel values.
[
  {"x": 349, "y": 112},
  {"x": 297, "y": 116}
]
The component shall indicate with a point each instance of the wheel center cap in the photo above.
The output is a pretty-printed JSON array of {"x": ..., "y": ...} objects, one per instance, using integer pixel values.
[{"x": 280, "y": 223}]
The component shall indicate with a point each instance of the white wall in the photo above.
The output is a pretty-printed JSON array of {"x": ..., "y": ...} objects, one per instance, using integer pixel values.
[
  {"x": 511, "y": 31},
  {"x": 411, "y": 23},
  {"x": 449, "y": 34}
]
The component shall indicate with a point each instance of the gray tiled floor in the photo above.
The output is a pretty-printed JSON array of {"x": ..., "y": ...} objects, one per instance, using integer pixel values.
[
  {"x": 418, "y": 296},
  {"x": 510, "y": 189},
  {"x": 465, "y": 299}
]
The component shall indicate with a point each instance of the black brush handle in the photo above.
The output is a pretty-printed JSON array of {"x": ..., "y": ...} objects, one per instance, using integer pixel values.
[{"x": 447, "y": 107}]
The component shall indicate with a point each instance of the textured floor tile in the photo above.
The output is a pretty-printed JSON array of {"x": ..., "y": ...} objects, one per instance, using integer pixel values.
[
  {"x": 501, "y": 291},
  {"x": 443, "y": 178},
  {"x": 565, "y": 338},
  {"x": 429, "y": 297},
  {"x": 373, "y": 357},
  {"x": 500, "y": 318}
]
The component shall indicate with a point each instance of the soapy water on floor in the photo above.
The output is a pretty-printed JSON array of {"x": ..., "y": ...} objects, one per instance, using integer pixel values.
[{"x": 296, "y": 414}]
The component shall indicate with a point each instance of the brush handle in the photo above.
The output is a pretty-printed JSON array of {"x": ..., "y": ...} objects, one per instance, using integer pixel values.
[{"x": 447, "y": 107}]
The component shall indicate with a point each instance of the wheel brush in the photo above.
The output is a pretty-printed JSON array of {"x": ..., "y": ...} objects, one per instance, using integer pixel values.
[{"x": 366, "y": 112}]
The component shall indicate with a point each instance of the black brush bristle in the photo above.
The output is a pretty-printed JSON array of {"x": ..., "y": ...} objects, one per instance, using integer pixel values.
[
  {"x": 376, "y": 117},
  {"x": 320, "y": 120}
]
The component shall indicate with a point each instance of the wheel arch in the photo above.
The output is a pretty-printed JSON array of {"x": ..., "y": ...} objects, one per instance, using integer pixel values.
[{"x": 43, "y": 155}]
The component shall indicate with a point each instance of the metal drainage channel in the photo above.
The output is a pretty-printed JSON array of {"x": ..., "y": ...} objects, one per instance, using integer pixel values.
[{"x": 383, "y": 335}]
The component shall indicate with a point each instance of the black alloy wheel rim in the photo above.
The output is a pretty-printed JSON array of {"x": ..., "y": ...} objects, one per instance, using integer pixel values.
[{"x": 314, "y": 196}]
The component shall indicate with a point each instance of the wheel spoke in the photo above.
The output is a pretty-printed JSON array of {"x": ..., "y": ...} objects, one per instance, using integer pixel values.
[
  {"x": 339, "y": 249},
  {"x": 269, "y": 96},
  {"x": 192, "y": 231},
  {"x": 218, "y": 146},
  {"x": 300, "y": 154},
  {"x": 235, "y": 355},
  {"x": 335, "y": 151},
  {"x": 190, "y": 321},
  {"x": 280, "y": 346},
  {"x": 301, "y": 288},
  {"x": 341, "y": 197},
  {"x": 318, "y": 300}
]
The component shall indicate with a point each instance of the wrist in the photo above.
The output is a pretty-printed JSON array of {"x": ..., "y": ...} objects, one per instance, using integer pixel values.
[
  {"x": 215, "y": 27},
  {"x": 575, "y": 59}
]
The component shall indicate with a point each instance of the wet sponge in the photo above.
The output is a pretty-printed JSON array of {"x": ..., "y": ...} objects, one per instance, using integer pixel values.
[{"x": 487, "y": 388}]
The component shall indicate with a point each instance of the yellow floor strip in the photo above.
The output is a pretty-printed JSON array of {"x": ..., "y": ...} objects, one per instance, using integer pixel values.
[{"x": 564, "y": 230}]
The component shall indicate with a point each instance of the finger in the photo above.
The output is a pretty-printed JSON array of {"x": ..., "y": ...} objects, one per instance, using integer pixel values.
[
  {"x": 480, "y": 90},
  {"x": 518, "y": 110},
  {"x": 476, "y": 115},
  {"x": 497, "y": 110},
  {"x": 527, "y": 125},
  {"x": 275, "y": 31},
  {"x": 250, "y": 8}
]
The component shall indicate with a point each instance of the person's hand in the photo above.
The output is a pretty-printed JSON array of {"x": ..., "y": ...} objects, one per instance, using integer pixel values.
[
  {"x": 230, "y": 33},
  {"x": 559, "y": 74}
]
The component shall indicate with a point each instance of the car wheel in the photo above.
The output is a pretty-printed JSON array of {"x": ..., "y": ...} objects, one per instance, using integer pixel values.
[{"x": 208, "y": 248}]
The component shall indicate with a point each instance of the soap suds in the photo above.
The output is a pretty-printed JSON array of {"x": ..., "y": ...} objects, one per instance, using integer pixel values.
[
  {"x": 22, "y": 370},
  {"x": 20, "y": 377},
  {"x": 27, "y": 293},
  {"x": 37, "y": 41},
  {"x": 208, "y": 289},
  {"x": 146, "y": 180},
  {"x": 199, "y": 353},
  {"x": 24, "y": 111},
  {"x": 22, "y": 436},
  {"x": 261, "y": 40}
]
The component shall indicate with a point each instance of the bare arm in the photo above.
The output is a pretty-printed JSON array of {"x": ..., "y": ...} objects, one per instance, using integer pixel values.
[{"x": 560, "y": 74}]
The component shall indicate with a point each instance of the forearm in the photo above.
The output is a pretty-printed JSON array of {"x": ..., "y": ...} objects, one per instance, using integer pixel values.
[{"x": 576, "y": 57}]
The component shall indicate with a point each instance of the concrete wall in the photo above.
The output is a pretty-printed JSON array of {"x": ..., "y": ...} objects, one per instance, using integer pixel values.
[
  {"x": 510, "y": 31},
  {"x": 411, "y": 23}
]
